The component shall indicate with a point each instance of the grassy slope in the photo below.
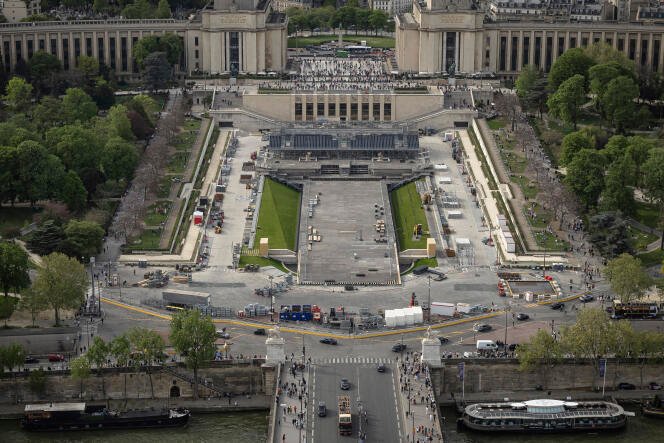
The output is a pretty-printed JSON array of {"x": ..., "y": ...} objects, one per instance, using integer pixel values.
[
  {"x": 407, "y": 209},
  {"x": 277, "y": 219}
]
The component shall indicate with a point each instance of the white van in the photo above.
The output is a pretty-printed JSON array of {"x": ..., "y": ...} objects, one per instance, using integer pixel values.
[{"x": 486, "y": 345}]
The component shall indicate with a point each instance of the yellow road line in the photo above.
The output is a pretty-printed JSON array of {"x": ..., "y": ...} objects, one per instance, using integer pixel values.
[{"x": 311, "y": 333}]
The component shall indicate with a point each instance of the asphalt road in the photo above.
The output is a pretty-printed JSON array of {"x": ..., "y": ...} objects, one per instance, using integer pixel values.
[{"x": 375, "y": 391}]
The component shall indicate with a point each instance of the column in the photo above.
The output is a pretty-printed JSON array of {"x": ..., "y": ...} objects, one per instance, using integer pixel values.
[
  {"x": 508, "y": 49},
  {"x": 444, "y": 67},
  {"x": 650, "y": 50},
  {"x": 531, "y": 49},
  {"x": 457, "y": 45},
  {"x": 519, "y": 54}
]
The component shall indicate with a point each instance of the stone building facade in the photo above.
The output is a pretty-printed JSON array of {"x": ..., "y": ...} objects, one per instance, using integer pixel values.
[
  {"x": 470, "y": 37},
  {"x": 246, "y": 36}
]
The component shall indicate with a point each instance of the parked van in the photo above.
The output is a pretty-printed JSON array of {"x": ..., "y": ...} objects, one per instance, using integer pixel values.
[{"x": 486, "y": 345}]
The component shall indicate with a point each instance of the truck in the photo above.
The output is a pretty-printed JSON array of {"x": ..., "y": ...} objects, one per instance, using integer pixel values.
[
  {"x": 185, "y": 299},
  {"x": 345, "y": 417}
]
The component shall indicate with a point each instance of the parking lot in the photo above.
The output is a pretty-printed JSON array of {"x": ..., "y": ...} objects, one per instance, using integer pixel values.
[{"x": 344, "y": 247}]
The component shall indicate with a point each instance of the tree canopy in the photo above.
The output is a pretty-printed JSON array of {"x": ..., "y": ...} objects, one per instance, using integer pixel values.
[
  {"x": 573, "y": 62},
  {"x": 14, "y": 266},
  {"x": 628, "y": 279},
  {"x": 565, "y": 103}
]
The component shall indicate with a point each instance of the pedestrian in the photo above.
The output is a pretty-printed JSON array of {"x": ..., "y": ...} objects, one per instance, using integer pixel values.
[{"x": 283, "y": 437}]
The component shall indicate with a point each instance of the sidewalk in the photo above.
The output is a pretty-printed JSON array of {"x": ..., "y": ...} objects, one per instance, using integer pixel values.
[
  {"x": 419, "y": 413},
  {"x": 291, "y": 417}
]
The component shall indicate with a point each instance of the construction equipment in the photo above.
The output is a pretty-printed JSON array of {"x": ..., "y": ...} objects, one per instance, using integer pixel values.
[{"x": 345, "y": 417}]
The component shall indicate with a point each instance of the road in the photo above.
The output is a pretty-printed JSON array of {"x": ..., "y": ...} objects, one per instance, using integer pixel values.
[{"x": 374, "y": 390}]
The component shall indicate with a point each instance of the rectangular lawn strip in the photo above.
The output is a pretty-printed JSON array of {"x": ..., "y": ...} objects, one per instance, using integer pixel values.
[
  {"x": 407, "y": 209},
  {"x": 529, "y": 189},
  {"x": 261, "y": 261},
  {"x": 542, "y": 219},
  {"x": 178, "y": 162},
  {"x": 157, "y": 213},
  {"x": 496, "y": 123},
  {"x": 148, "y": 240},
  {"x": 550, "y": 242},
  {"x": 278, "y": 215}
]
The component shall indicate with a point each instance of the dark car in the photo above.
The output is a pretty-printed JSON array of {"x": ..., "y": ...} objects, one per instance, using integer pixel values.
[
  {"x": 322, "y": 409},
  {"x": 443, "y": 340},
  {"x": 521, "y": 316},
  {"x": 655, "y": 386},
  {"x": 481, "y": 327},
  {"x": 626, "y": 386},
  {"x": 586, "y": 298},
  {"x": 344, "y": 384},
  {"x": 31, "y": 359},
  {"x": 558, "y": 306},
  {"x": 260, "y": 331},
  {"x": 56, "y": 357},
  {"x": 512, "y": 347},
  {"x": 381, "y": 368},
  {"x": 328, "y": 341},
  {"x": 399, "y": 347}
]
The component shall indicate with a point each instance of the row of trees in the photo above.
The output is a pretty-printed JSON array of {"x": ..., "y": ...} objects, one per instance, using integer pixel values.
[
  {"x": 346, "y": 17},
  {"x": 192, "y": 335},
  {"x": 593, "y": 336}
]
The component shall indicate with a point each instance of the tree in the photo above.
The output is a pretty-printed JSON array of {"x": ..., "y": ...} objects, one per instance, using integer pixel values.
[
  {"x": 638, "y": 150},
  {"x": 89, "y": 67},
  {"x": 11, "y": 356},
  {"x": 38, "y": 172},
  {"x": 193, "y": 335},
  {"x": 120, "y": 349},
  {"x": 43, "y": 66},
  {"x": 169, "y": 43},
  {"x": 618, "y": 195},
  {"x": 7, "y": 308},
  {"x": 47, "y": 113},
  {"x": 567, "y": 100},
  {"x": 103, "y": 94},
  {"x": 37, "y": 381},
  {"x": 78, "y": 106},
  {"x": 46, "y": 238},
  {"x": 618, "y": 102},
  {"x": 72, "y": 192},
  {"x": 608, "y": 234},
  {"x": 573, "y": 143},
  {"x": 585, "y": 176},
  {"x": 628, "y": 278},
  {"x": 163, "y": 9},
  {"x": 653, "y": 181},
  {"x": 589, "y": 337},
  {"x": 603, "y": 53},
  {"x": 541, "y": 351},
  {"x": 33, "y": 302},
  {"x": 63, "y": 281},
  {"x": 14, "y": 266},
  {"x": 615, "y": 148},
  {"x": 377, "y": 20},
  {"x": 138, "y": 9},
  {"x": 119, "y": 122},
  {"x": 647, "y": 344},
  {"x": 156, "y": 71},
  {"x": 526, "y": 80},
  {"x": 573, "y": 62},
  {"x": 80, "y": 370},
  {"x": 83, "y": 238},
  {"x": 119, "y": 159},
  {"x": 98, "y": 355},
  {"x": 100, "y": 6},
  {"x": 147, "y": 348},
  {"x": 18, "y": 94}
]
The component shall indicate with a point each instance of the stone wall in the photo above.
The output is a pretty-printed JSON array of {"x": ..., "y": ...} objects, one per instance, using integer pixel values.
[
  {"x": 119, "y": 384},
  {"x": 504, "y": 375}
]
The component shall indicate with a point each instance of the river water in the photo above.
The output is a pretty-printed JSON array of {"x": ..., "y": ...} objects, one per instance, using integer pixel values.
[
  {"x": 242, "y": 427},
  {"x": 639, "y": 429}
]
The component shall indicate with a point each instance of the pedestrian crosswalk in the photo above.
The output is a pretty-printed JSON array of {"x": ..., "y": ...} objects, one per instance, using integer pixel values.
[{"x": 351, "y": 360}]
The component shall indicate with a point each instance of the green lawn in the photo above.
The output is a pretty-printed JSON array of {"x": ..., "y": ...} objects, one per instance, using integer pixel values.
[
  {"x": 157, "y": 213},
  {"x": 373, "y": 41},
  {"x": 407, "y": 209},
  {"x": 13, "y": 219},
  {"x": 543, "y": 217},
  {"x": 496, "y": 123},
  {"x": 278, "y": 215},
  {"x": 261, "y": 261},
  {"x": 178, "y": 162},
  {"x": 654, "y": 258},
  {"x": 647, "y": 213},
  {"x": 148, "y": 240},
  {"x": 528, "y": 187},
  {"x": 550, "y": 241},
  {"x": 639, "y": 239}
]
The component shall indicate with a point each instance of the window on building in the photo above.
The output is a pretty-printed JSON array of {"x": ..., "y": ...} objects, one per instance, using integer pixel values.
[
  {"x": 561, "y": 46},
  {"x": 100, "y": 49},
  {"x": 502, "y": 54},
  {"x": 538, "y": 52},
  {"x": 365, "y": 111},
  {"x": 195, "y": 53},
  {"x": 621, "y": 44},
  {"x": 88, "y": 46},
  {"x": 644, "y": 52},
  {"x": 514, "y": 54},
  {"x": 353, "y": 111},
  {"x": 310, "y": 111},
  {"x": 298, "y": 111},
  {"x": 31, "y": 48},
  {"x": 387, "y": 112},
  {"x": 320, "y": 109},
  {"x": 77, "y": 50},
  {"x": 134, "y": 64},
  {"x": 331, "y": 109},
  {"x": 572, "y": 42},
  {"x": 124, "y": 56},
  {"x": 549, "y": 53},
  {"x": 584, "y": 42},
  {"x": 376, "y": 111},
  {"x": 195, "y": 41},
  {"x": 65, "y": 53},
  {"x": 7, "y": 57},
  {"x": 343, "y": 110},
  {"x": 609, "y": 41},
  {"x": 111, "y": 51},
  {"x": 526, "y": 51},
  {"x": 656, "y": 47},
  {"x": 42, "y": 44},
  {"x": 234, "y": 44},
  {"x": 632, "y": 49}
]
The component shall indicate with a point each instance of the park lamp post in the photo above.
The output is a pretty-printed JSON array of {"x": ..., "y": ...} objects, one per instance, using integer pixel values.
[{"x": 271, "y": 301}]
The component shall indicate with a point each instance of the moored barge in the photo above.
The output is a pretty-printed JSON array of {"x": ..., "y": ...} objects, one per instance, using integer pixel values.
[
  {"x": 654, "y": 408},
  {"x": 544, "y": 416},
  {"x": 81, "y": 417}
]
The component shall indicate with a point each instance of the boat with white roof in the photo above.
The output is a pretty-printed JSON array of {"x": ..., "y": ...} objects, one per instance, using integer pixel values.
[{"x": 544, "y": 416}]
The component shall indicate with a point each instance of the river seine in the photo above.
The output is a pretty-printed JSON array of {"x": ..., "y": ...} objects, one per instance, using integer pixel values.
[{"x": 246, "y": 427}]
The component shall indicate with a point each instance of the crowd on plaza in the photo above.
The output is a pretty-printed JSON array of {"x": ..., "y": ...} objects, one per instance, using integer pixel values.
[
  {"x": 334, "y": 74},
  {"x": 291, "y": 392},
  {"x": 415, "y": 386}
]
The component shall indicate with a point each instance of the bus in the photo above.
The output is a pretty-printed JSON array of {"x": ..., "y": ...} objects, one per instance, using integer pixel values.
[
  {"x": 634, "y": 310},
  {"x": 358, "y": 50},
  {"x": 174, "y": 308}
]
